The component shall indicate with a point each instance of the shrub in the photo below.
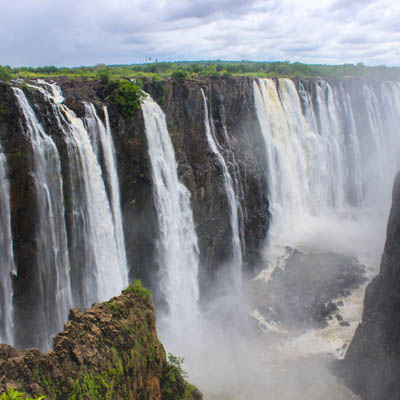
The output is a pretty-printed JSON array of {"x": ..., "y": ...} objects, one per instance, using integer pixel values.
[
  {"x": 5, "y": 73},
  {"x": 128, "y": 96},
  {"x": 180, "y": 75},
  {"x": 137, "y": 289}
]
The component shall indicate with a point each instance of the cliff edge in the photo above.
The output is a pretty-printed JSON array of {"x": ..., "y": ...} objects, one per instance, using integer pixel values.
[
  {"x": 371, "y": 367},
  {"x": 110, "y": 351}
]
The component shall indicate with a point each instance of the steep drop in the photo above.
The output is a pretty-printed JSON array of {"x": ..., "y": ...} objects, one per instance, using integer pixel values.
[{"x": 177, "y": 242}]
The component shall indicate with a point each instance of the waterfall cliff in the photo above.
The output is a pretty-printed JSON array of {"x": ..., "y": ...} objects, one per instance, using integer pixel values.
[{"x": 182, "y": 195}]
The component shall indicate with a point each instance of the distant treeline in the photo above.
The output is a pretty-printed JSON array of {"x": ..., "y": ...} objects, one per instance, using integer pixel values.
[{"x": 187, "y": 69}]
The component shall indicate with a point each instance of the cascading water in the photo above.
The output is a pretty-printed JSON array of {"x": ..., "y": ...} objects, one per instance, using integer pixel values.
[
  {"x": 234, "y": 204},
  {"x": 320, "y": 158},
  {"x": 53, "y": 297},
  {"x": 104, "y": 268},
  {"x": 7, "y": 267},
  {"x": 178, "y": 249},
  {"x": 103, "y": 133},
  {"x": 331, "y": 153},
  {"x": 88, "y": 264}
]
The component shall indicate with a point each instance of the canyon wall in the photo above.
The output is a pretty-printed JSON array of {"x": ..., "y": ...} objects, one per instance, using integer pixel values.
[{"x": 372, "y": 363}]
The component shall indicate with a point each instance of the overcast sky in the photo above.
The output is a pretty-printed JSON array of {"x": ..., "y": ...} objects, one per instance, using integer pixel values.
[{"x": 87, "y": 32}]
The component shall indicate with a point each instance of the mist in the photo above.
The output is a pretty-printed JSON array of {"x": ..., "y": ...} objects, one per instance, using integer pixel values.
[{"x": 278, "y": 335}]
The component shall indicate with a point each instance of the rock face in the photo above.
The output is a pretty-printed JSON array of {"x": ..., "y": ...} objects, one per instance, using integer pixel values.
[
  {"x": 110, "y": 351},
  {"x": 232, "y": 113},
  {"x": 231, "y": 106},
  {"x": 300, "y": 293},
  {"x": 371, "y": 367}
]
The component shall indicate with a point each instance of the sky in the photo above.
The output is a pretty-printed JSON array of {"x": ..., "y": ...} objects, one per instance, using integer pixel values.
[{"x": 89, "y": 32}]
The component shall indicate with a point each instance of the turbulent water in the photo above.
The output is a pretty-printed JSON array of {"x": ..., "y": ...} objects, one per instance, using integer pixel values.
[{"x": 177, "y": 243}]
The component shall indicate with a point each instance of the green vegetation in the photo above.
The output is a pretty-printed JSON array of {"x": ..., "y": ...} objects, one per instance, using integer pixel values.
[
  {"x": 198, "y": 69},
  {"x": 138, "y": 289},
  {"x": 92, "y": 387},
  {"x": 128, "y": 96},
  {"x": 12, "y": 394},
  {"x": 177, "y": 363},
  {"x": 5, "y": 73},
  {"x": 174, "y": 373}
]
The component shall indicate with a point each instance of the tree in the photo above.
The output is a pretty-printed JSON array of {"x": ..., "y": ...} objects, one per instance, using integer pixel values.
[{"x": 5, "y": 73}]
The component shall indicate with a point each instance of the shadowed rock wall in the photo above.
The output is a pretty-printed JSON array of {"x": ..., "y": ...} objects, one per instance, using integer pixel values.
[{"x": 371, "y": 367}]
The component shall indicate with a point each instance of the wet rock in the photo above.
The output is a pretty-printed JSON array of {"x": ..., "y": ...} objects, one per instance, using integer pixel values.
[
  {"x": 344, "y": 323},
  {"x": 371, "y": 367},
  {"x": 302, "y": 292},
  {"x": 109, "y": 351}
]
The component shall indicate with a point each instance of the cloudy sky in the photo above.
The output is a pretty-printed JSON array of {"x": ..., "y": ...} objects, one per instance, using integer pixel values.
[{"x": 87, "y": 32}]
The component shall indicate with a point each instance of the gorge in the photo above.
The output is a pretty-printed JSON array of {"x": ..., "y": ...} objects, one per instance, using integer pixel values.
[{"x": 207, "y": 195}]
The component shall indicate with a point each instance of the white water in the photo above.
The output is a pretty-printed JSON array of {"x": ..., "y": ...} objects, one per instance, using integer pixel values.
[
  {"x": 103, "y": 133},
  {"x": 106, "y": 275},
  {"x": 54, "y": 297},
  {"x": 316, "y": 172},
  {"x": 7, "y": 267},
  {"x": 177, "y": 243},
  {"x": 234, "y": 204},
  {"x": 331, "y": 166},
  {"x": 92, "y": 266}
]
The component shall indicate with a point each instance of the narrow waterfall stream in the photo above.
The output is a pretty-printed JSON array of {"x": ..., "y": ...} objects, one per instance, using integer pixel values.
[
  {"x": 7, "y": 267},
  {"x": 178, "y": 249},
  {"x": 234, "y": 204}
]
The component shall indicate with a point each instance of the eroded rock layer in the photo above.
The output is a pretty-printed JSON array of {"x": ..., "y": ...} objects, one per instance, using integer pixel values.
[{"x": 110, "y": 351}]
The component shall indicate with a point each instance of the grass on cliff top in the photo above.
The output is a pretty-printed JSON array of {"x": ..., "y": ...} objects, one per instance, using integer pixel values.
[
  {"x": 137, "y": 289},
  {"x": 186, "y": 70}
]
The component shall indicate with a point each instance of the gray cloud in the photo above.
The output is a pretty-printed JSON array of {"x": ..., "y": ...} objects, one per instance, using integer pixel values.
[{"x": 87, "y": 32}]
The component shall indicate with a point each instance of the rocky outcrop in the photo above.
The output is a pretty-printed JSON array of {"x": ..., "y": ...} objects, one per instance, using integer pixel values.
[
  {"x": 110, "y": 351},
  {"x": 303, "y": 291},
  {"x": 371, "y": 367}
]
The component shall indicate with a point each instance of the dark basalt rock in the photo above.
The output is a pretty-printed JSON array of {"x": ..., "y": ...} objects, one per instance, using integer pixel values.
[
  {"x": 371, "y": 367},
  {"x": 109, "y": 351},
  {"x": 301, "y": 294}
]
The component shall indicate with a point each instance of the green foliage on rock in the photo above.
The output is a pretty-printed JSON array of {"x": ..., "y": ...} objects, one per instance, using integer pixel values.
[
  {"x": 12, "y": 394},
  {"x": 137, "y": 289},
  {"x": 5, "y": 73},
  {"x": 180, "y": 74},
  {"x": 128, "y": 97},
  {"x": 174, "y": 383}
]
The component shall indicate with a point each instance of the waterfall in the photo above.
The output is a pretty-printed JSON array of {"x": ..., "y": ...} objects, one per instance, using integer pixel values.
[
  {"x": 7, "y": 267},
  {"x": 87, "y": 263},
  {"x": 178, "y": 249},
  {"x": 102, "y": 273},
  {"x": 234, "y": 204},
  {"x": 53, "y": 296},
  {"x": 331, "y": 151},
  {"x": 103, "y": 134}
]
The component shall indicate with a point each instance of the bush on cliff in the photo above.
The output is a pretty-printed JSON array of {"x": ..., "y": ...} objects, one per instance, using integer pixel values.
[
  {"x": 127, "y": 95},
  {"x": 5, "y": 73}
]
